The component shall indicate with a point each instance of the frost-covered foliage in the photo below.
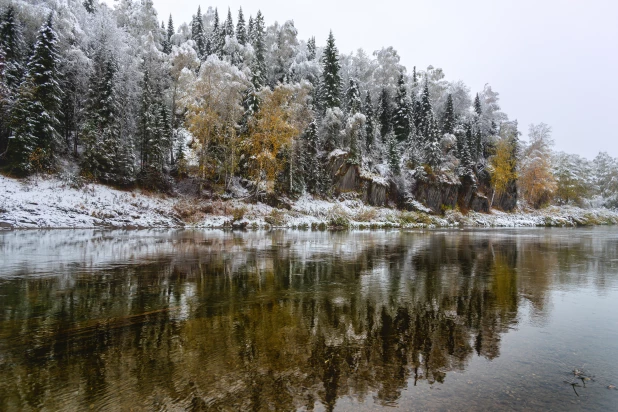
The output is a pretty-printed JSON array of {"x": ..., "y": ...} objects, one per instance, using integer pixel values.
[{"x": 132, "y": 100}]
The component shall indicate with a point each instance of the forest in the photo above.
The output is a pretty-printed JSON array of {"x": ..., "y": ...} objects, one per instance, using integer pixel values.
[{"x": 122, "y": 97}]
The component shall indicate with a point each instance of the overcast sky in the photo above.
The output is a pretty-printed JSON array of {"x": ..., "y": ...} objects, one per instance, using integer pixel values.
[{"x": 552, "y": 61}]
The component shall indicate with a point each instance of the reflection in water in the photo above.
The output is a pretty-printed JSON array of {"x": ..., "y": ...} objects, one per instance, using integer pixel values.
[{"x": 268, "y": 321}]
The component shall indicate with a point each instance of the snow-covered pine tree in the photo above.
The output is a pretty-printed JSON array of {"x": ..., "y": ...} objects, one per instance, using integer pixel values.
[
  {"x": 425, "y": 113},
  {"x": 104, "y": 156},
  {"x": 311, "y": 161},
  {"x": 251, "y": 30},
  {"x": 414, "y": 77},
  {"x": 477, "y": 105},
  {"x": 448, "y": 121},
  {"x": 35, "y": 119},
  {"x": 311, "y": 49},
  {"x": 90, "y": 6},
  {"x": 197, "y": 34},
  {"x": 167, "y": 42},
  {"x": 356, "y": 133},
  {"x": 470, "y": 142},
  {"x": 465, "y": 156},
  {"x": 393, "y": 156},
  {"x": 228, "y": 26},
  {"x": 402, "y": 113},
  {"x": 217, "y": 37},
  {"x": 433, "y": 147},
  {"x": 330, "y": 86},
  {"x": 370, "y": 122},
  {"x": 241, "y": 30},
  {"x": 385, "y": 115},
  {"x": 12, "y": 45},
  {"x": 353, "y": 98},
  {"x": 258, "y": 69}
]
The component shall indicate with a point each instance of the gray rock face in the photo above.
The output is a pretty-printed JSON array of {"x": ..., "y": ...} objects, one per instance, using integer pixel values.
[
  {"x": 350, "y": 178},
  {"x": 435, "y": 192}
]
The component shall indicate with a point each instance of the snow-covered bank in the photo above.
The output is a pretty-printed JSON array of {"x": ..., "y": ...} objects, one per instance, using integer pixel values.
[{"x": 55, "y": 203}]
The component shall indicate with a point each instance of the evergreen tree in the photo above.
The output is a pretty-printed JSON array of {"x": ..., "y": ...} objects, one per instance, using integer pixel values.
[
  {"x": 228, "y": 26},
  {"x": 353, "y": 98},
  {"x": 251, "y": 31},
  {"x": 385, "y": 114},
  {"x": 104, "y": 156},
  {"x": 425, "y": 113},
  {"x": 311, "y": 161},
  {"x": 241, "y": 31},
  {"x": 478, "y": 144},
  {"x": 167, "y": 43},
  {"x": 35, "y": 119},
  {"x": 414, "y": 77},
  {"x": 259, "y": 62},
  {"x": 355, "y": 131},
  {"x": 403, "y": 112},
  {"x": 448, "y": 122},
  {"x": 12, "y": 46},
  {"x": 393, "y": 155},
  {"x": 311, "y": 49},
  {"x": 433, "y": 148},
  {"x": 151, "y": 143},
  {"x": 330, "y": 87},
  {"x": 477, "y": 105},
  {"x": 197, "y": 34},
  {"x": 470, "y": 143},
  {"x": 90, "y": 6},
  {"x": 217, "y": 37},
  {"x": 370, "y": 123}
]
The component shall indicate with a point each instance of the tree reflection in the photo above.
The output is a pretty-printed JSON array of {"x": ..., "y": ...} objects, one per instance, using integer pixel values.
[{"x": 229, "y": 323}]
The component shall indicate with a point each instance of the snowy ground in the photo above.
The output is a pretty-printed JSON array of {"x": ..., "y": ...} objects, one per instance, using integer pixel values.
[{"x": 54, "y": 203}]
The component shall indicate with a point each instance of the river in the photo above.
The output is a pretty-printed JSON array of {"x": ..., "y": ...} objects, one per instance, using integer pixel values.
[{"x": 515, "y": 319}]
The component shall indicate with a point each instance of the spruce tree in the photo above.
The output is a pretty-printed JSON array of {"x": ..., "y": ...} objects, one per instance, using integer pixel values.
[
  {"x": 425, "y": 112},
  {"x": 251, "y": 30},
  {"x": 370, "y": 124},
  {"x": 228, "y": 26},
  {"x": 217, "y": 37},
  {"x": 477, "y": 105},
  {"x": 12, "y": 46},
  {"x": 35, "y": 119},
  {"x": 90, "y": 6},
  {"x": 330, "y": 87},
  {"x": 197, "y": 34},
  {"x": 433, "y": 148},
  {"x": 402, "y": 114},
  {"x": 353, "y": 97},
  {"x": 258, "y": 69},
  {"x": 167, "y": 43},
  {"x": 311, "y": 162},
  {"x": 241, "y": 31},
  {"x": 104, "y": 156},
  {"x": 311, "y": 49},
  {"x": 414, "y": 77},
  {"x": 448, "y": 122},
  {"x": 393, "y": 155},
  {"x": 385, "y": 114}
]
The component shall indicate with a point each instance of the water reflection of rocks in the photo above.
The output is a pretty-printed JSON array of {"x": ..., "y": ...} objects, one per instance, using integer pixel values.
[{"x": 274, "y": 321}]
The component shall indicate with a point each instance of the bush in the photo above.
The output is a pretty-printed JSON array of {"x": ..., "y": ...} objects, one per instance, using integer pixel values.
[
  {"x": 275, "y": 218},
  {"x": 238, "y": 213}
]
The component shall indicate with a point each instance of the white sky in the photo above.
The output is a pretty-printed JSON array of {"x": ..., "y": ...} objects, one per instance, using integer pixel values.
[{"x": 552, "y": 61}]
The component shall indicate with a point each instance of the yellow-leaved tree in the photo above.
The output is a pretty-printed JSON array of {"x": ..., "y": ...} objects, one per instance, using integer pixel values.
[
  {"x": 536, "y": 181},
  {"x": 503, "y": 166},
  {"x": 281, "y": 116}
]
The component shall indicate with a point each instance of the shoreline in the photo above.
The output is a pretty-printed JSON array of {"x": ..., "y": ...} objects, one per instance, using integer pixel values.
[{"x": 52, "y": 203}]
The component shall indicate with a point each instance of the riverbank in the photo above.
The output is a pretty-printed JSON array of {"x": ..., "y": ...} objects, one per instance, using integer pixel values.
[{"x": 52, "y": 202}]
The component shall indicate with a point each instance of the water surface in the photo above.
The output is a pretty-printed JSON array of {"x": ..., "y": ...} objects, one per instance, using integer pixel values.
[{"x": 287, "y": 320}]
